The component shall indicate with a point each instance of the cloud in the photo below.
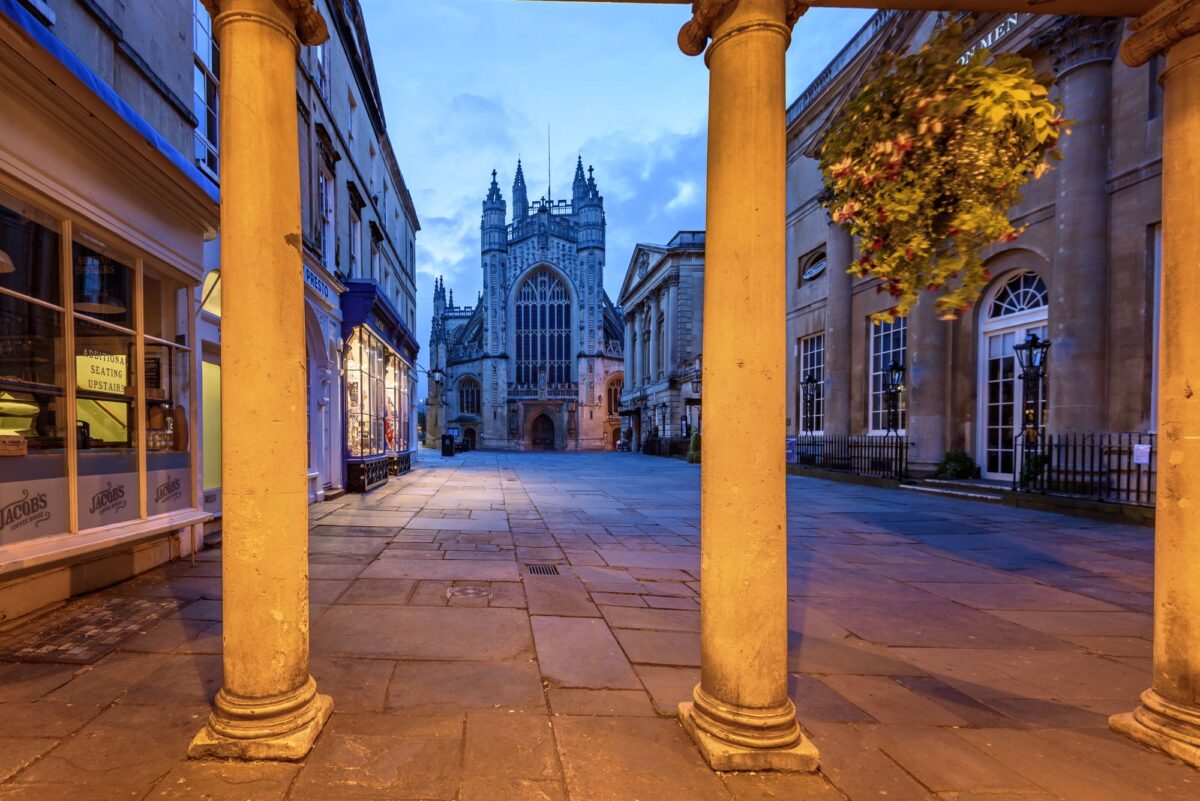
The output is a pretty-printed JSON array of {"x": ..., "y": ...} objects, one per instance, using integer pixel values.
[
  {"x": 686, "y": 196},
  {"x": 470, "y": 85}
]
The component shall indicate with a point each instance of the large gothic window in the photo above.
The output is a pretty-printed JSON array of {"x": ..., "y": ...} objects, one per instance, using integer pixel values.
[
  {"x": 615, "y": 387},
  {"x": 468, "y": 396},
  {"x": 543, "y": 330}
]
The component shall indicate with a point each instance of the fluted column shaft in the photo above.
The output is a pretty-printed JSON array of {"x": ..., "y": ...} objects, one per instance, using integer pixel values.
[
  {"x": 268, "y": 707},
  {"x": 741, "y": 715}
]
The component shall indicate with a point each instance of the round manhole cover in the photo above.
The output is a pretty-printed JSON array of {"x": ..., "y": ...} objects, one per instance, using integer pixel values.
[{"x": 470, "y": 591}]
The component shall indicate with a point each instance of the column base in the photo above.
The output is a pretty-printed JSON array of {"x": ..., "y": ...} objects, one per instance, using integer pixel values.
[
  {"x": 801, "y": 757},
  {"x": 1164, "y": 726},
  {"x": 279, "y": 729}
]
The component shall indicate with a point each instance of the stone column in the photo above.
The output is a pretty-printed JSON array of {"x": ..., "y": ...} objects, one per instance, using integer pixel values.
[
  {"x": 628, "y": 351},
  {"x": 268, "y": 707},
  {"x": 672, "y": 322},
  {"x": 1084, "y": 48},
  {"x": 634, "y": 380},
  {"x": 1169, "y": 716},
  {"x": 839, "y": 254},
  {"x": 925, "y": 379},
  {"x": 740, "y": 715},
  {"x": 654, "y": 365}
]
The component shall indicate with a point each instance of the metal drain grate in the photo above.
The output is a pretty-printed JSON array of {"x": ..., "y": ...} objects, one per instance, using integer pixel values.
[
  {"x": 542, "y": 570},
  {"x": 477, "y": 539},
  {"x": 83, "y": 632}
]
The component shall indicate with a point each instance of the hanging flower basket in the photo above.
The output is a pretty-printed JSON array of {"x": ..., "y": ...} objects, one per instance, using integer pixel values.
[{"x": 925, "y": 163}]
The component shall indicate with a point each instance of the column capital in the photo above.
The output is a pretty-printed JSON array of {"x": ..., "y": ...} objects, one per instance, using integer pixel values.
[
  {"x": 310, "y": 25},
  {"x": 1076, "y": 40},
  {"x": 1162, "y": 26},
  {"x": 695, "y": 33}
]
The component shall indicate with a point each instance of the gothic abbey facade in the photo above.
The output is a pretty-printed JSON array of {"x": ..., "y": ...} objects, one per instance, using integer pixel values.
[{"x": 536, "y": 363}]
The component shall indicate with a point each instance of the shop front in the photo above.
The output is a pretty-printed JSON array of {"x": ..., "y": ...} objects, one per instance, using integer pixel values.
[
  {"x": 378, "y": 355},
  {"x": 102, "y": 230},
  {"x": 96, "y": 391}
]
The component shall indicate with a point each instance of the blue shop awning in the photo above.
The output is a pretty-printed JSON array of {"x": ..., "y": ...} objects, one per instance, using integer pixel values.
[{"x": 363, "y": 302}]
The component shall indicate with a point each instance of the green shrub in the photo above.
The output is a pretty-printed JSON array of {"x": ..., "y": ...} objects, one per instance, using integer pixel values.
[
  {"x": 956, "y": 464},
  {"x": 1032, "y": 467},
  {"x": 693, "y": 454}
]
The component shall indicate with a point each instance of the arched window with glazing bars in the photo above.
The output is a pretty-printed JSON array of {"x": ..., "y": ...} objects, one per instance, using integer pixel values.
[
  {"x": 468, "y": 396},
  {"x": 543, "y": 330}
]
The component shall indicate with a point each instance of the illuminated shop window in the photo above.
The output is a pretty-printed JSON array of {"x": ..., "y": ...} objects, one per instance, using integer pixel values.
[
  {"x": 95, "y": 367},
  {"x": 377, "y": 396}
]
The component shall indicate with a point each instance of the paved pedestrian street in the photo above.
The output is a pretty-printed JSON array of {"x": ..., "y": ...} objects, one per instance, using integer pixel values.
[{"x": 938, "y": 649}]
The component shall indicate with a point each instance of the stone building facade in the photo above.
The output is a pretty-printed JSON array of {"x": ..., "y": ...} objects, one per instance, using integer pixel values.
[
  {"x": 359, "y": 230},
  {"x": 531, "y": 363},
  {"x": 1083, "y": 274},
  {"x": 662, "y": 301}
]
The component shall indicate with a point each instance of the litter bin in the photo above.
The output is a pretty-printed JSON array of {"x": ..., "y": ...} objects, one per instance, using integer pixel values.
[{"x": 447, "y": 444}]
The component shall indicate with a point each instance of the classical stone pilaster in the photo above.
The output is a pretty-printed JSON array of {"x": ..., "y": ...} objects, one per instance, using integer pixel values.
[
  {"x": 268, "y": 706},
  {"x": 670, "y": 327},
  {"x": 655, "y": 367},
  {"x": 628, "y": 351},
  {"x": 1169, "y": 716},
  {"x": 1084, "y": 48},
  {"x": 839, "y": 254},
  {"x": 740, "y": 715},
  {"x": 633, "y": 380},
  {"x": 927, "y": 374}
]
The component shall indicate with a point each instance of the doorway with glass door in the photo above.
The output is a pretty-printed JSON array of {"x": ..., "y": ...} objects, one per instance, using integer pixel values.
[{"x": 1017, "y": 308}]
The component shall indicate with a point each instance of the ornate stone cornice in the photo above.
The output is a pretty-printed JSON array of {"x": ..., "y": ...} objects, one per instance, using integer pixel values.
[
  {"x": 1159, "y": 28},
  {"x": 1076, "y": 41},
  {"x": 695, "y": 33},
  {"x": 310, "y": 25}
]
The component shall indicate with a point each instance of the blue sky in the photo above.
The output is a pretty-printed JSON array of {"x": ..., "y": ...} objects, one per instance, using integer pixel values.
[{"x": 470, "y": 85}]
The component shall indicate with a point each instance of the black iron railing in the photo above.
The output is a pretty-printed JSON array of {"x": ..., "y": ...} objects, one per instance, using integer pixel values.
[
  {"x": 1111, "y": 467},
  {"x": 879, "y": 456},
  {"x": 666, "y": 446}
]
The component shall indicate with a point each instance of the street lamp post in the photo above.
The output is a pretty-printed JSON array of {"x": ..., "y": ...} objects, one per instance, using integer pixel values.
[
  {"x": 697, "y": 399},
  {"x": 893, "y": 386},
  {"x": 810, "y": 400},
  {"x": 1031, "y": 356}
]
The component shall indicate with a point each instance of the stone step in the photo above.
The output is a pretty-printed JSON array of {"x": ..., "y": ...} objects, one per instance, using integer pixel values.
[
  {"x": 970, "y": 484},
  {"x": 973, "y": 495}
]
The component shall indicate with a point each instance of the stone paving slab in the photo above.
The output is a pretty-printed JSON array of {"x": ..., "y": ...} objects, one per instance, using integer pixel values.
[{"x": 939, "y": 650}]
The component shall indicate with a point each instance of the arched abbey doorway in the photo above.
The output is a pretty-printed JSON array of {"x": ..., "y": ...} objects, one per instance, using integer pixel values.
[{"x": 543, "y": 433}]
